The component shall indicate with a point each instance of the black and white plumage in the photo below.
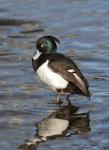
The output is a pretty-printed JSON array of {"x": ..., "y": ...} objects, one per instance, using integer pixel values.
[{"x": 57, "y": 70}]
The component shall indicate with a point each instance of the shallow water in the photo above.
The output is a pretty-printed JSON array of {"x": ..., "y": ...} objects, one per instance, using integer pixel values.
[{"x": 83, "y": 28}]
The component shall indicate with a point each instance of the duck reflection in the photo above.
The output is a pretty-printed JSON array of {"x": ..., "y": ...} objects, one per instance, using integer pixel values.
[{"x": 63, "y": 122}]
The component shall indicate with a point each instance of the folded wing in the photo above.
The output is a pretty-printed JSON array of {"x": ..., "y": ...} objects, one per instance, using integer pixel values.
[{"x": 69, "y": 71}]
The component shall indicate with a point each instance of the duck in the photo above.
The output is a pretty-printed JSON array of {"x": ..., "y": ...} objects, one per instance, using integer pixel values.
[{"x": 58, "y": 71}]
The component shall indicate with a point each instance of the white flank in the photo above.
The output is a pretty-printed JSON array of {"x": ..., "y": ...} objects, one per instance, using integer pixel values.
[
  {"x": 71, "y": 70},
  {"x": 51, "y": 78},
  {"x": 36, "y": 55}
]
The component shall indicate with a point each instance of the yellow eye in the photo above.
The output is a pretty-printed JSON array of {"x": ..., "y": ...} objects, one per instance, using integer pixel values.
[{"x": 42, "y": 45}]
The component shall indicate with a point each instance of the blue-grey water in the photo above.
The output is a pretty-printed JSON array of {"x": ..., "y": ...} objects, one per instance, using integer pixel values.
[{"x": 83, "y": 29}]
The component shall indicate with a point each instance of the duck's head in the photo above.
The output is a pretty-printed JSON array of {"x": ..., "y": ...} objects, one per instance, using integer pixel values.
[{"x": 47, "y": 44}]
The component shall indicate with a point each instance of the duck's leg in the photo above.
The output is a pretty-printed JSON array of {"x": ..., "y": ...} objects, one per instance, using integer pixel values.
[
  {"x": 58, "y": 99},
  {"x": 59, "y": 102}
]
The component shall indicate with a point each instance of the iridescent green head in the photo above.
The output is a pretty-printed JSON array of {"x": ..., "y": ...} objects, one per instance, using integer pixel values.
[{"x": 47, "y": 44}]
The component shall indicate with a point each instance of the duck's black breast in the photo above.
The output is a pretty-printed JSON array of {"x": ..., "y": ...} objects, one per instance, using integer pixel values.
[{"x": 38, "y": 62}]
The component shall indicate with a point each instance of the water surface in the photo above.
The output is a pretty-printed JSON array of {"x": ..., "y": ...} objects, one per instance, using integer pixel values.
[{"x": 83, "y": 29}]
